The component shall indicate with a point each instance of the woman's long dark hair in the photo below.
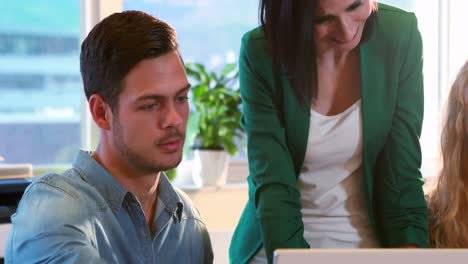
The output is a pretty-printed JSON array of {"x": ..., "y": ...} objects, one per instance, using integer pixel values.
[{"x": 289, "y": 31}]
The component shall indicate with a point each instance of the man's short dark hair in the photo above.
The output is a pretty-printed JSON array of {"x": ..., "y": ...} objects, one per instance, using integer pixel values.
[{"x": 116, "y": 45}]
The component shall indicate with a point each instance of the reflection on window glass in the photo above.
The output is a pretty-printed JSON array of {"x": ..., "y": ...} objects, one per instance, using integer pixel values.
[
  {"x": 40, "y": 84},
  {"x": 209, "y": 31}
]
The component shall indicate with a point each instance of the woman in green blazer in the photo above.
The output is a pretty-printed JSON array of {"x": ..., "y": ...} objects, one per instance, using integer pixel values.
[{"x": 365, "y": 53}]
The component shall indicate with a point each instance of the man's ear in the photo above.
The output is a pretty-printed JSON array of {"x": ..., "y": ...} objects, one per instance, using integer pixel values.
[{"x": 100, "y": 111}]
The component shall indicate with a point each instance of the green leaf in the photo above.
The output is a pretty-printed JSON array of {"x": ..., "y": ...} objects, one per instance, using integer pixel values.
[
  {"x": 228, "y": 69},
  {"x": 216, "y": 98}
]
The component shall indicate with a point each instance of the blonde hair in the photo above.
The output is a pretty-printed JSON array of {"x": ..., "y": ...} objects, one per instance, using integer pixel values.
[{"x": 448, "y": 203}]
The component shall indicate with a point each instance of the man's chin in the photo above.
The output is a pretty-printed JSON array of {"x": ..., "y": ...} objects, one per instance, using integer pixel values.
[{"x": 170, "y": 164}]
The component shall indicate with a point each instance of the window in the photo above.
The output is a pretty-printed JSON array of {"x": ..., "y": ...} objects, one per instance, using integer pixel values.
[
  {"x": 209, "y": 31},
  {"x": 40, "y": 84},
  {"x": 456, "y": 38}
]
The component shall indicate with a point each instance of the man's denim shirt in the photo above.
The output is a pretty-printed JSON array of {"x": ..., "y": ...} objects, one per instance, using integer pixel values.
[{"x": 86, "y": 216}]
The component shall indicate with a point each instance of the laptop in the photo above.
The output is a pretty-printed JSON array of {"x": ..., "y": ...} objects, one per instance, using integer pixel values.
[{"x": 371, "y": 256}]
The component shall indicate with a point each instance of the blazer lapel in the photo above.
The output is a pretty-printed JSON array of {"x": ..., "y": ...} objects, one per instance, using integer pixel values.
[{"x": 297, "y": 118}]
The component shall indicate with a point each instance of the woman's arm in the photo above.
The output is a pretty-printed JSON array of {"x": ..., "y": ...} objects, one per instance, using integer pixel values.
[
  {"x": 401, "y": 207},
  {"x": 277, "y": 199}
]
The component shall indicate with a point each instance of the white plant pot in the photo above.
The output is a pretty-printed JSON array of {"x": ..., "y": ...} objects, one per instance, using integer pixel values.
[{"x": 210, "y": 167}]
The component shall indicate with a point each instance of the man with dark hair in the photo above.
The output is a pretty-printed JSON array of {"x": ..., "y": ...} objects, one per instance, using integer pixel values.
[{"x": 115, "y": 205}]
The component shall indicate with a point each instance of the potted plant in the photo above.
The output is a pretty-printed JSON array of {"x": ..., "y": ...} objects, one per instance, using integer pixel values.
[{"x": 217, "y": 110}]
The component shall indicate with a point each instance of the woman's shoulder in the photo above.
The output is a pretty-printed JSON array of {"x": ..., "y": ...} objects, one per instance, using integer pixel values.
[
  {"x": 393, "y": 28},
  {"x": 389, "y": 7},
  {"x": 254, "y": 42},
  {"x": 394, "y": 16},
  {"x": 254, "y": 48},
  {"x": 254, "y": 34}
]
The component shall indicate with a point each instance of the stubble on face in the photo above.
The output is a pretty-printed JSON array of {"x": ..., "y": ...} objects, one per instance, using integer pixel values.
[{"x": 138, "y": 160}]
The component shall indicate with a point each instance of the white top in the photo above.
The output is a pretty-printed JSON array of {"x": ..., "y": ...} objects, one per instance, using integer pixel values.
[{"x": 334, "y": 210}]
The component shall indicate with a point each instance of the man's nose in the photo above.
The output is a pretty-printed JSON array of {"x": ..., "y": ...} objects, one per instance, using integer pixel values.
[{"x": 172, "y": 117}]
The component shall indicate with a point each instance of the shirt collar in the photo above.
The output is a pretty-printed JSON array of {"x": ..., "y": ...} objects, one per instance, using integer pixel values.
[
  {"x": 168, "y": 195},
  {"x": 114, "y": 192},
  {"x": 98, "y": 177}
]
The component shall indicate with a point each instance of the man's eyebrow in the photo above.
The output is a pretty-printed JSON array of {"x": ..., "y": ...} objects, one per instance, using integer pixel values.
[
  {"x": 159, "y": 97},
  {"x": 185, "y": 88}
]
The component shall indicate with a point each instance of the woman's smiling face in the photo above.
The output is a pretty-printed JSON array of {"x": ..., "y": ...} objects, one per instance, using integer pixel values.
[{"x": 339, "y": 24}]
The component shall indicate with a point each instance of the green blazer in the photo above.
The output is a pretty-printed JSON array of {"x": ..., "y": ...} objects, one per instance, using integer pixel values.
[{"x": 277, "y": 130}]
